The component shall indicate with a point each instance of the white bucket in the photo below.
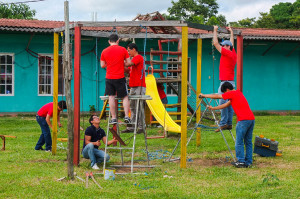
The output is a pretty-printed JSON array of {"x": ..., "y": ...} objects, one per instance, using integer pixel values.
[{"x": 109, "y": 174}]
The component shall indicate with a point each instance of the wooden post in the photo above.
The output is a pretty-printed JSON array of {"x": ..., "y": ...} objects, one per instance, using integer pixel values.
[
  {"x": 184, "y": 96},
  {"x": 55, "y": 91},
  {"x": 68, "y": 77},
  {"x": 199, "y": 64},
  {"x": 77, "y": 58},
  {"x": 239, "y": 71}
]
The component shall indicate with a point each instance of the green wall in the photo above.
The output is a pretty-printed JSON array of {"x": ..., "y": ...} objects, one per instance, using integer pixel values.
[{"x": 271, "y": 82}]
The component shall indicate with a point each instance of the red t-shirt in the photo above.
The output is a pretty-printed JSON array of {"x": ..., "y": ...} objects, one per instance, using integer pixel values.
[
  {"x": 161, "y": 93},
  {"x": 47, "y": 109},
  {"x": 239, "y": 105},
  {"x": 227, "y": 64},
  {"x": 114, "y": 57},
  {"x": 137, "y": 71}
]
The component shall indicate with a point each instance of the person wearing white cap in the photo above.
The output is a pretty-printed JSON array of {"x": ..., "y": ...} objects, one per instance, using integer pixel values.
[{"x": 226, "y": 74}]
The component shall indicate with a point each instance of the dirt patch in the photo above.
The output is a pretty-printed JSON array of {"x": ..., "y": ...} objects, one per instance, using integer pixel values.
[{"x": 210, "y": 162}]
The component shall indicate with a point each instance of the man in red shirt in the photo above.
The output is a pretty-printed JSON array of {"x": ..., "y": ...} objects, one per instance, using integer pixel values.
[
  {"x": 112, "y": 58},
  {"x": 227, "y": 64},
  {"x": 245, "y": 124},
  {"x": 137, "y": 85},
  {"x": 43, "y": 118}
]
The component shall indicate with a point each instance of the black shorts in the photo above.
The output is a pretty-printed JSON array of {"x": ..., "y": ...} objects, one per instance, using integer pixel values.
[{"x": 116, "y": 86}]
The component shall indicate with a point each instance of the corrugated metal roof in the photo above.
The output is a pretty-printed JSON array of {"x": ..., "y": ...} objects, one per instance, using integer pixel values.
[{"x": 48, "y": 27}]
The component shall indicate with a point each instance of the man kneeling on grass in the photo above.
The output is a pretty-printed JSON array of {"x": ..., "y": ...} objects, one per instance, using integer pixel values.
[
  {"x": 93, "y": 135},
  {"x": 245, "y": 124}
]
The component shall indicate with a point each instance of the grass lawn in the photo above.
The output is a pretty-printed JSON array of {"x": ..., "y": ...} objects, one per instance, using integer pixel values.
[{"x": 26, "y": 173}]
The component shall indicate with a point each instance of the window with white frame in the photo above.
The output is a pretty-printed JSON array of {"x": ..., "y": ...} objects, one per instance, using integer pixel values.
[
  {"x": 6, "y": 75},
  {"x": 45, "y": 76},
  {"x": 172, "y": 66}
]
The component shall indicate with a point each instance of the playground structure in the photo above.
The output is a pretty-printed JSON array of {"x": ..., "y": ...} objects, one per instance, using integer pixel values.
[{"x": 158, "y": 31}]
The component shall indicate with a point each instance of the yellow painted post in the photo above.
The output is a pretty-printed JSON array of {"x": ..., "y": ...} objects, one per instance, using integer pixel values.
[
  {"x": 55, "y": 92},
  {"x": 199, "y": 64},
  {"x": 184, "y": 96}
]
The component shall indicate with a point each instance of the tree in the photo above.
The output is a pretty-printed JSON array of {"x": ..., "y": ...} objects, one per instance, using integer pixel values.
[
  {"x": 196, "y": 11},
  {"x": 281, "y": 16},
  {"x": 265, "y": 21},
  {"x": 16, "y": 11}
]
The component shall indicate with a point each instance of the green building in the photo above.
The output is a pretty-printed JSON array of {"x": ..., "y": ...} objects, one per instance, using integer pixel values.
[{"x": 271, "y": 66}]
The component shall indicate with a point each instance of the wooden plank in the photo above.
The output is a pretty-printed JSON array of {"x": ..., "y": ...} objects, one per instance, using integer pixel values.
[
  {"x": 55, "y": 91},
  {"x": 115, "y": 134},
  {"x": 9, "y": 136},
  {"x": 184, "y": 97},
  {"x": 157, "y": 62},
  {"x": 160, "y": 52},
  {"x": 77, "y": 65},
  {"x": 211, "y": 28},
  {"x": 130, "y": 23},
  {"x": 239, "y": 70},
  {"x": 199, "y": 65}
]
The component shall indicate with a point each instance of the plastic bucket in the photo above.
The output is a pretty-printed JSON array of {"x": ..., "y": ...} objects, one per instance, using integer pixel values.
[{"x": 109, "y": 174}]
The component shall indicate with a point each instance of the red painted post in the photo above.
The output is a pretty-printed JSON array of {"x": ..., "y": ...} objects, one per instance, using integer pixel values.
[
  {"x": 239, "y": 72},
  {"x": 77, "y": 58}
]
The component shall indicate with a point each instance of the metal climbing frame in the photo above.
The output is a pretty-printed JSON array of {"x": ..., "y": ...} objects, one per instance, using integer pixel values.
[
  {"x": 205, "y": 103},
  {"x": 139, "y": 98}
]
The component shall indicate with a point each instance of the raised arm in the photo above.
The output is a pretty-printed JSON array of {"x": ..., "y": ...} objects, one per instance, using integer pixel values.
[
  {"x": 231, "y": 35},
  {"x": 215, "y": 39}
]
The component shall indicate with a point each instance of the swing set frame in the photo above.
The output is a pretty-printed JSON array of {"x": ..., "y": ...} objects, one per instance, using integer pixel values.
[{"x": 79, "y": 31}]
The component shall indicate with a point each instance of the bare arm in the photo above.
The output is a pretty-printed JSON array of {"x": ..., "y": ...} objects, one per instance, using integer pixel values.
[
  {"x": 58, "y": 120},
  {"x": 103, "y": 64},
  {"x": 88, "y": 140},
  {"x": 212, "y": 96},
  {"x": 220, "y": 106},
  {"x": 109, "y": 142},
  {"x": 128, "y": 62},
  {"x": 231, "y": 35},
  {"x": 48, "y": 121},
  {"x": 215, "y": 39}
]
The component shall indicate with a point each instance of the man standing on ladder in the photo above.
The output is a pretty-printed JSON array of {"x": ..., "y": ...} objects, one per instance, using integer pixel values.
[
  {"x": 112, "y": 58},
  {"x": 137, "y": 86},
  {"x": 227, "y": 64}
]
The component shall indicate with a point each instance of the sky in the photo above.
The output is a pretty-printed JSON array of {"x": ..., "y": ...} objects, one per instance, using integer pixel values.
[{"x": 126, "y": 10}]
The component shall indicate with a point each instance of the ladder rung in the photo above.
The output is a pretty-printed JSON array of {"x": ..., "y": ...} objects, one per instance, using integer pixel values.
[
  {"x": 156, "y": 62},
  {"x": 156, "y": 122},
  {"x": 160, "y": 52},
  {"x": 174, "y": 113},
  {"x": 119, "y": 148}
]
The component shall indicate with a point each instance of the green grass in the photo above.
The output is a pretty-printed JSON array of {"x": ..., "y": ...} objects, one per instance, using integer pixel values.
[{"x": 26, "y": 173}]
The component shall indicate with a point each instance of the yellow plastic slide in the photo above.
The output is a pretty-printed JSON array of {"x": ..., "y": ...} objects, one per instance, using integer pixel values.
[{"x": 157, "y": 108}]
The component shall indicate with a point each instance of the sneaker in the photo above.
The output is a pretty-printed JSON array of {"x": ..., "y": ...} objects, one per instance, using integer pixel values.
[
  {"x": 49, "y": 150},
  {"x": 40, "y": 149},
  {"x": 127, "y": 120},
  {"x": 114, "y": 121},
  {"x": 229, "y": 127},
  {"x": 222, "y": 128},
  {"x": 238, "y": 164},
  {"x": 95, "y": 167}
]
